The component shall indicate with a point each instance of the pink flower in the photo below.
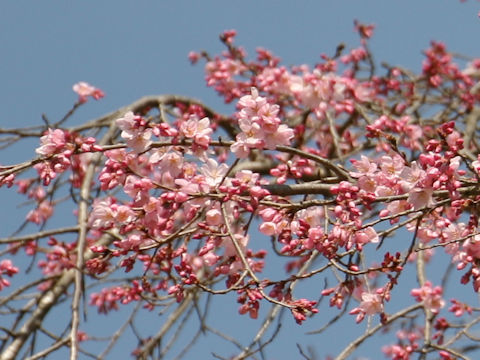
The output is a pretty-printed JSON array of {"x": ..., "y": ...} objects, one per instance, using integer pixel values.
[
  {"x": 367, "y": 235},
  {"x": 411, "y": 176},
  {"x": 421, "y": 198},
  {"x": 244, "y": 142},
  {"x": 301, "y": 308},
  {"x": 124, "y": 214},
  {"x": 268, "y": 228},
  {"x": 398, "y": 206},
  {"x": 170, "y": 165},
  {"x": 135, "y": 132},
  {"x": 313, "y": 216},
  {"x": 194, "y": 57},
  {"x": 129, "y": 124},
  {"x": 281, "y": 136},
  {"x": 371, "y": 304},
  {"x": 363, "y": 166},
  {"x": 198, "y": 130},
  {"x": 260, "y": 126},
  {"x": 191, "y": 186},
  {"x": 228, "y": 36},
  {"x": 458, "y": 308},
  {"x": 431, "y": 297},
  {"x": 42, "y": 213},
  {"x": 231, "y": 252},
  {"x": 391, "y": 166},
  {"x": 213, "y": 172},
  {"x": 251, "y": 103},
  {"x": 52, "y": 142},
  {"x": 214, "y": 217},
  {"x": 102, "y": 215},
  {"x": 137, "y": 188},
  {"x": 6, "y": 268},
  {"x": 84, "y": 90}
]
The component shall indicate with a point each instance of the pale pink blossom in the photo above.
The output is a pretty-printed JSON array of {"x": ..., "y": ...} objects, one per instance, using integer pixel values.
[
  {"x": 213, "y": 172},
  {"x": 398, "y": 206},
  {"x": 247, "y": 177},
  {"x": 260, "y": 125},
  {"x": 411, "y": 176},
  {"x": 282, "y": 136},
  {"x": 128, "y": 124},
  {"x": 268, "y": 228},
  {"x": 136, "y": 187},
  {"x": 134, "y": 131},
  {"x": 102, "y": 214},
  {"x": 371, "y": 304},
  {"x": 198, "y": 130},
  {"x": 421, "y": 198},
  {"x": 430, "y": 296},
  {"x": 172, "y": 162},
  {"x": 133, "y": 241},
  {"x": 42, "y": 213},
  {"x": 313, "y": 216},
  {"x": 6, "y": 268},
  {"x": 244, "y": 142},
  {"x": 169, "y": 166},
  {"x": 472, "y": 247},
  {"x": 367, "y": 235},
  {"x": 231, "y": 251},
  {"x": 52, "y": 142},
  {"x": 210, "y": 258},
  {"x": 391, "y": 166},
  {"x": 276, "y": 80},
  {"x": 191, "y": 186},
  {"x": 84, "y": 90},
  {"x": 214, "y": 217},
  {"x": 124, "y": 214},
  {"x": 383, "y": 190},
  {"x": 250, "y": 104},
  {"x": 363, "y": 166},
  {"x": 367, "y": 184}
]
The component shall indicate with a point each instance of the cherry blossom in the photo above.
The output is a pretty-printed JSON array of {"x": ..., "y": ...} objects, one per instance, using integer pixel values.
[
  {"x": 6, "y": 268},
  {"x": 42, "y": 213},
  {"x": 52, "y": 142},
  {"x": 84, "y": 90},
  {"x": 198, "y": 130},
  {"x": 430, "y": 296},
  {"x": 134, "y": 130},
  {"x": 260, "y": 126},
  {"x": 339, "y": 180},
  {"x": 371, "y": 304}
]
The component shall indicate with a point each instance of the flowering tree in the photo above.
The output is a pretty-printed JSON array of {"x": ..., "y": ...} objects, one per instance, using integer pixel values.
[{"x": 341, "y": 177}]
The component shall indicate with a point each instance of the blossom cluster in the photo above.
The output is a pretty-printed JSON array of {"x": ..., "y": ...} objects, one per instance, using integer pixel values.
[
  {"x": 318, "y": 166},
  {"x": 260, "y": 126},
  {"x": 84, "y": 90},
  {"x": 6, "y": 268}
]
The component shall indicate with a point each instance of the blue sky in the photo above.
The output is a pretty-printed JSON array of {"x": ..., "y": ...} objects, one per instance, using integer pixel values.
[{"x": 135, "y": 48}]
